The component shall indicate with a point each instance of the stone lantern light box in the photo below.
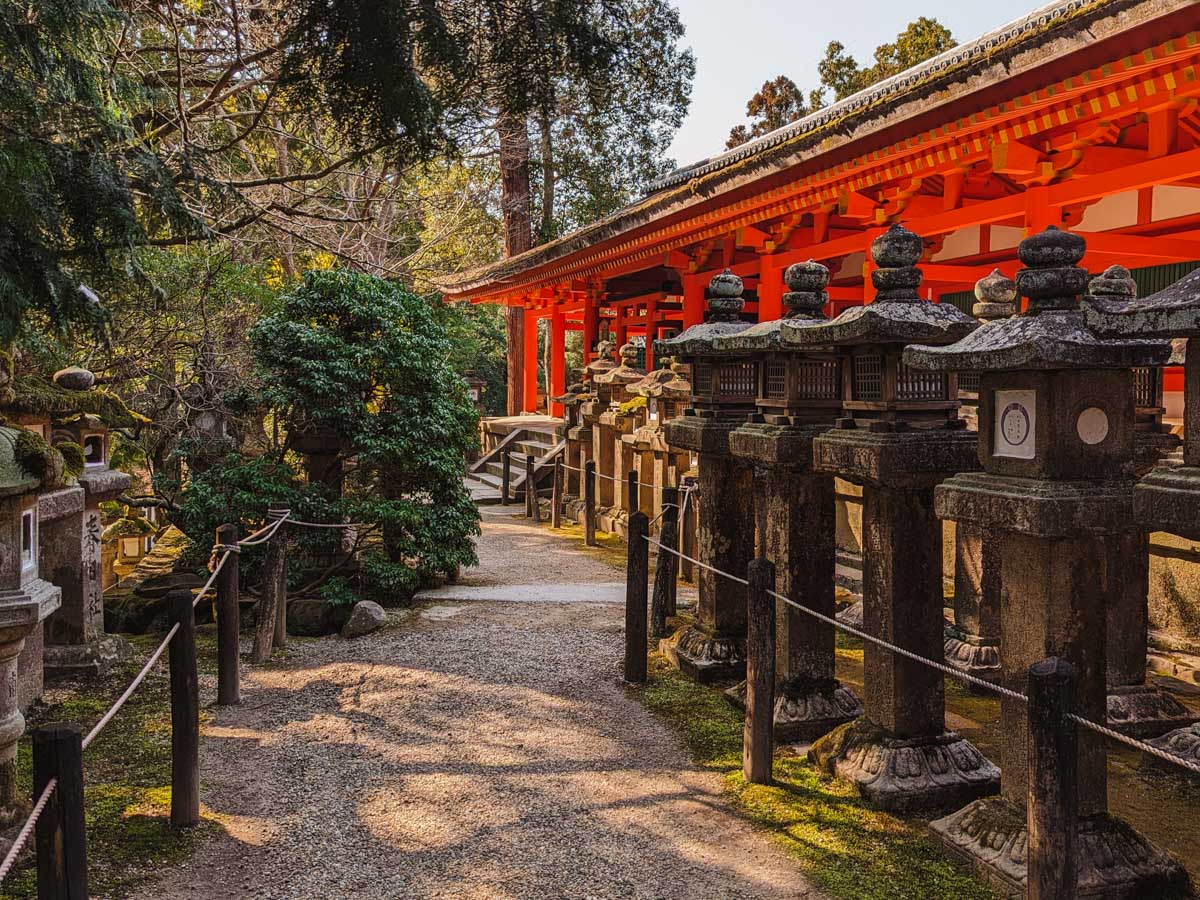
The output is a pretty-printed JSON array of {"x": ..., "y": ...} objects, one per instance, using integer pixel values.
[{"x": 876, "y": 384}]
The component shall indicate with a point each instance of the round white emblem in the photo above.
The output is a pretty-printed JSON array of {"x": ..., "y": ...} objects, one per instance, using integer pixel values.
[
  {"x": 1092, "y": 425},
  {"x": 1014, "y": 422}
]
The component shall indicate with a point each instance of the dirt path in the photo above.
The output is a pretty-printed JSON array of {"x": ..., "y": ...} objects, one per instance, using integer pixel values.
[{"x": 481, "y": 749}]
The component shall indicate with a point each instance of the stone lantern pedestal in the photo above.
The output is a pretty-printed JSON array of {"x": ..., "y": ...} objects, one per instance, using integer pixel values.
[
  {"x": 76, "y": 643},
  {"x": 899, "y": 436},
  {"x": 25, "y": 601},
  {"x": 1056, "y": 443},
  {"x": 613, "y": 425}
]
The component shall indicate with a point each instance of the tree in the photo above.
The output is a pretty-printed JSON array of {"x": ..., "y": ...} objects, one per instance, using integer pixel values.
[
  {"x": 920, "y": 41},
  {"x": 778, "y": 102},
  {"x": 364, "y": 364}
]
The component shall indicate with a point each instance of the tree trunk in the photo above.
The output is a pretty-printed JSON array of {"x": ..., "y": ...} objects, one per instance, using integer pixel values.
[
  {"x": 518, "y": 237},
  {"x": 548, "y": 178}
]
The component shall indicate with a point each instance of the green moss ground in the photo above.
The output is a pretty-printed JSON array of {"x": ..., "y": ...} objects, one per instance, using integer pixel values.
[
  {"x": 848, "y": 849},
  {"x": 127, "y": 772}
]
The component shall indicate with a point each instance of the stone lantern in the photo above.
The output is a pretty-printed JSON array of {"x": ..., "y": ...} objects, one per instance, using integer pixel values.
[
  {"x": 614, "y": 455},
  {"x": 579, "y": 437},
  {"x": 71, "y": 548},
  {"x": 972, "y": 644},
  {"x": 590, "y": 410},
  {"x": 659, "y": 465},
  {"x": 899, "y": 754},
  {"x": 724, "y": 386},
  {"x": 1134, "y": 707},
  {"x": 475, "y": 388},
  {"x": 1056, "y": 445},
  {"x": 799, "y": 396},
  {"x": 1168, "y": 498},
  {"x": 25, "y": 600}
]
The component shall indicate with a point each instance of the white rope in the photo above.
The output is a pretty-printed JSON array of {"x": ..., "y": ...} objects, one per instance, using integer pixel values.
[
  {"x": 1135, "y": 743},
  {"x": 27, "y": 829},
  {"x": 941, "y": 667},
  {"x": 211, "y": 578},
  {"x": 265, "y": 533},
  {"x": 133, "y": 685},
  {"x": 1157, "y": 752}
]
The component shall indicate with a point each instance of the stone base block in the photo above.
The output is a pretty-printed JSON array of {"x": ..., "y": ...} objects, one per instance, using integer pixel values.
[
  {"x": 705, "y": 657},
  {"x": 1182, "y": 742},
  {"x": 806, "y": 710},
  {"x": 1144, "y": 711},
  {"x": 972, "y": 656},
  {"x": 1114, "y": 860},
  {"x": 906, "y": 775},
  {"x": 90, "y": 660},
  {"x": 852, "y": 615}
]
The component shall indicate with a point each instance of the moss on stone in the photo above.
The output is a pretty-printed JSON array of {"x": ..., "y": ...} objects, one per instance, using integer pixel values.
[
  {"x": 74, "y": 460},
  {"x": 38, "y": 458},
  {"x": 847, "y": 848},
  {"x": 39, "y": 397}
]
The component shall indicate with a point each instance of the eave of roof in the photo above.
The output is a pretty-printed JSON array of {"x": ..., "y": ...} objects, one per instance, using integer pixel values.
[{"x": 807, "y": 138}]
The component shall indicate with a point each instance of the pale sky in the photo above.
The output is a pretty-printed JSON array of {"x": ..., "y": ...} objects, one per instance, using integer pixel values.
[{"x": 739, "y": 44}]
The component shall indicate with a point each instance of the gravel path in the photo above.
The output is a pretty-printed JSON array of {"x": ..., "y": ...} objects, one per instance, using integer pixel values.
[{"x": 481, "y": 749}]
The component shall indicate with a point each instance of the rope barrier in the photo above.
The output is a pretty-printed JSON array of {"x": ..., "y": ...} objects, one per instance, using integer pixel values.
[
  {"x": 27, "y": 829},
  {"x": 949, "y": 670},
  {"x": 829, "y": 620},
  {"x": 133, "y": 686},
  {"x": 211, "y": 578},
  {"x": 1135, "y": 743},
  {"x": 265, "y": 533}
]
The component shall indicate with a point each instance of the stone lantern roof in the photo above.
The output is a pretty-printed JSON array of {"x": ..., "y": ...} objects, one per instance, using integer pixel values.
[
  {"x": 1051, "y": 333},
  {"x": 724, "y": 303},
  {"x": 804, "y": 301},
  {"x": 576, "y": 393},
  {"x": 603, "y": 361},
  {"x": 1174, "y": 312},
  {"x": 898, "y": 315},
  {"x": 15, "y": 479},
  {"x": 665, "y": 382},
  {"x": 626, "y": 372}
]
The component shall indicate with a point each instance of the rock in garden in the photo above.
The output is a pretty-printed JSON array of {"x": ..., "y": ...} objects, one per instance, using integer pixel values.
[
  {"x": 74, "y": 378},
  {"x": 366, "y": 617}
]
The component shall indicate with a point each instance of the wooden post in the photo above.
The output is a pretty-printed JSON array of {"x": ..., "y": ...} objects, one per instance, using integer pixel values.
[
  {"x": 671, "y": 498},
  {"x": 277, "y": 547},
  {"x": 759, "y": 732},
  {"x": 229, "y": 692},
  {"x": 589, "y": 503},
  {"x": 274, "y": 588},
  {"x": 556, "y": 499},
  {"x": 505, "y": 477},
  {"x": 631, "y": 492},
  {"x": 637, "y": 576},
  {"x": 185, "y": 714},
  {"x": 662, "y": 604},
  {"x": 59, "y": 836},
  {"x": 687, "y": 537},
  {"x": 1052, "y": 811},
  {"x": 530, "y": 492}
]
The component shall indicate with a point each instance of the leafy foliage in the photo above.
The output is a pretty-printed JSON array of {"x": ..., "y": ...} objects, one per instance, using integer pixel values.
[
  {"x": 780, "y": 102},
  {"x": 363, "y": 365},
  {"x": 777, "y": 103},
  {"x": 69, "y": 167},
  {"x": 921, "y": 40}
]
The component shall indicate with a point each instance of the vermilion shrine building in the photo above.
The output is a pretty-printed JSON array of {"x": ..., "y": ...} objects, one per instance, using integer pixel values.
[{"x": 1084, "y": 115}]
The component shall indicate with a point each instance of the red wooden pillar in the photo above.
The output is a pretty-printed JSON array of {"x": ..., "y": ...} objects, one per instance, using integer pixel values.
[
  {"x": 531, "y": 362},
  {"x": 693, "y": 300},
  {"x": 770, "y": 289},
  {"x": 558, "y": 360}
]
